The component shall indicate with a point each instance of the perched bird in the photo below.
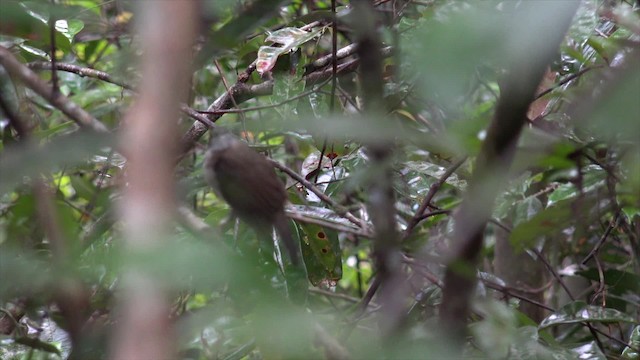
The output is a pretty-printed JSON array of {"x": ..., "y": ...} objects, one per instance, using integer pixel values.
[{"x": 248, "y": 183}]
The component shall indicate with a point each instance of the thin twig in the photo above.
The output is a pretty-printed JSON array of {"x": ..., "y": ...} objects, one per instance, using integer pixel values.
[
  {"x": 52, "y": 41},
  {"x": 263, "y": 107},
  {"x": 508, "y": 291},
  {"x": 326, "y": 223},
  {"x": 433, "y": 189},
  {"x": 566, "y": 80},
  {"x": 82, "y": 71},
  {"x": 337, "y": 295},
  {"x": 566, "y": 289},
  {"x": 366, "y": 300},
  {"x": 340, "y": 210},
  {"x": 602, "y": 287},
  {"x": 612, "y": 224}
]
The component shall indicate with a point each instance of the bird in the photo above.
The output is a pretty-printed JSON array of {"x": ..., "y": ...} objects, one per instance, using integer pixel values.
[{"x": 247, "y": 181}]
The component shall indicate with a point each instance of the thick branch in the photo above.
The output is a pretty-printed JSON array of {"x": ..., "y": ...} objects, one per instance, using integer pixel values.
[
  {"x": 148, "y": 204},
  {"x": 381, "y": 196},
  {"x": 525, "y": 73}
]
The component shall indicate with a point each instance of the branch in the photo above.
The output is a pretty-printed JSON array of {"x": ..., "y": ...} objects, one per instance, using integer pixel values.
[
  {"x": 526, "y": 70},
  {"x": 339, "y": 209},
  {"x": 271, "y": 106},
  {"x": 433, "y": 189},
  {"x": 566, "y": 80},
  {"x": 612, "y": 225},
  {"x": 381, "y": 195},
  {"x": 566, "y": 289},
  {"x": 145, "y": 329},
  {"x": 82, "y": 71},
  {"x": 327, "y": 223},
  {"x": 59, "y": 101},
  {"x": 241, "y": 92}
]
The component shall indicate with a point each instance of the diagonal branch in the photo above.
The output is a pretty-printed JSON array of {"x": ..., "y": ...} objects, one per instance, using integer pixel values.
[
  {"x": 427, "y": 199},
  {"x": 526, "y": 70},
  {"x": 59, "y": 101}
]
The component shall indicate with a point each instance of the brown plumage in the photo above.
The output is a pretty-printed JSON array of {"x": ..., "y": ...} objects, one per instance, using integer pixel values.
[{"x": 248, "y": 183}]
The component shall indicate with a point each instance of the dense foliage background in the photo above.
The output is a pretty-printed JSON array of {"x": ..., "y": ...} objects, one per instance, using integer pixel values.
[{"x": 395, "y": 155}]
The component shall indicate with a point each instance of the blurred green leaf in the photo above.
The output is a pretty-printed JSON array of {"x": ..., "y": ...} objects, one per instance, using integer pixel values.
[
  {"x": 614, "y": 112},
  {"x": 482, "y": 36},
  {"x": 593, "y": 179},
  {"x": 526, "y": 210},
  {"x": 28, "y": 160},
  {"x": 292, "y": 338},
  {"x": 549, "y": 221},
  {"x": 22, "y": 272},
  {"x": 496, "y": 333},
  {"x": 617, "y": 281}
]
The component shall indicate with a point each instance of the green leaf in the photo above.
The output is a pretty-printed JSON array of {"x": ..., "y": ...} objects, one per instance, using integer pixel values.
[
  {"x": 589, "y": 351},
  {"x": 558, "y": 159},
  {"x": 550, "y": 221},
  {"x": 618, "y": 282},
  {"x": 631, "y": 352},
  {"x": 69, "y": 28},
  {"x": 578, "y": 312},
  {"x": 614, "y": 114},
  {"x": 22, "y": 272},
  {"x": 56, "y": 129},
  {"x": 497, "y": 331},
  {"x": 436, "y": 172},
  {"x": 38, "y": 345},
  {"x": 35, "y": 51},
  {"x": 83, "y": 187},
  {"x": 285, "y": 87},
  {"x": 29, "y": 160},
  {"x": 322, "y": 255},
  {"x": 527, "y": 209},
  {"x": 593, "y": 179}
]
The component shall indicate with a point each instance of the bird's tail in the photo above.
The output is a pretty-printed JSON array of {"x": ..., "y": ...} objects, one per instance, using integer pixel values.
[{"x": 281, "y": 224}]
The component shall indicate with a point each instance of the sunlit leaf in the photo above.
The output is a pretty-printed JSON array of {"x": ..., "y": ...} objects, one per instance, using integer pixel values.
[{"x": 69, "y": 28}]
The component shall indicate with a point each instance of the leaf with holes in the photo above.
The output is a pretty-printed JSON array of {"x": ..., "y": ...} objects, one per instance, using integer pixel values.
[{"x": 322, "y": 256}]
